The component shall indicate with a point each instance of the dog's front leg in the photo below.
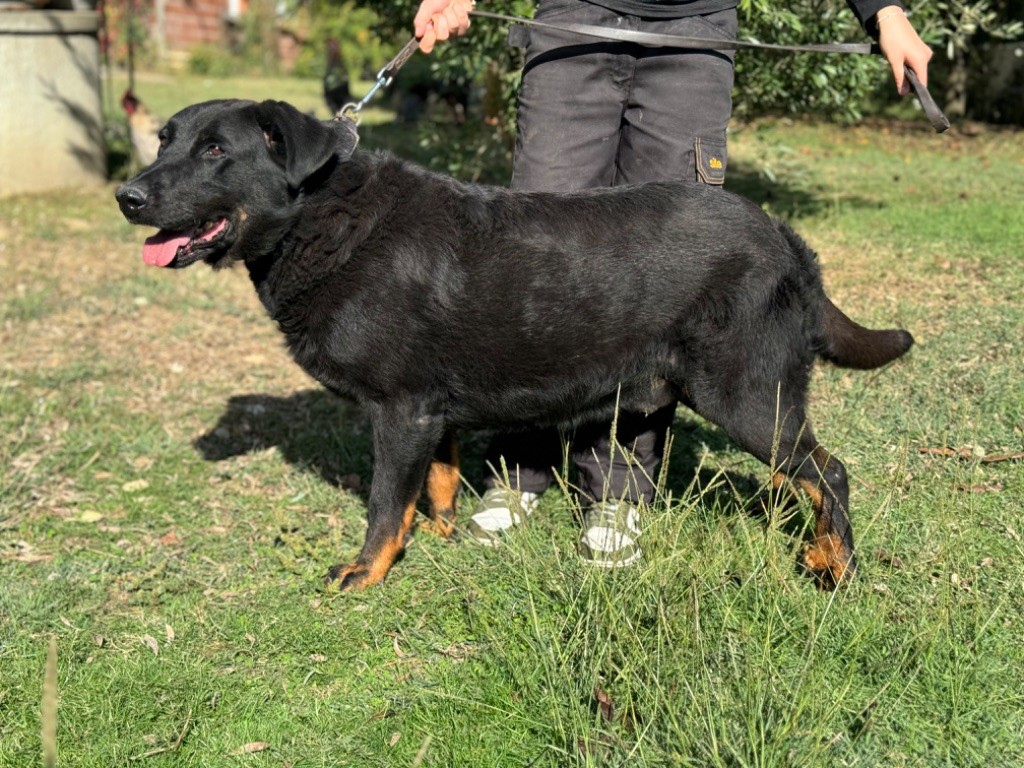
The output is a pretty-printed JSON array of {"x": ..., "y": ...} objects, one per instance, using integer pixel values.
[{"x": 404, "y": 439}]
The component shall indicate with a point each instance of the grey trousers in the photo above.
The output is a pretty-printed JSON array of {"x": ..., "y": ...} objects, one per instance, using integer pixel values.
[{"x": 594, "y": 113}]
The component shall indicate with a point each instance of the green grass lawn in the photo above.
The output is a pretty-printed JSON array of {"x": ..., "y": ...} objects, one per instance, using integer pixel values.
[{"x": 172, "y": 488}]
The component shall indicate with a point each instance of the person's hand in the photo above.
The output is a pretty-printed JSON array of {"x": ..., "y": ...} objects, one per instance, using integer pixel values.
[
  {"x": 902, "y": 46},
  {"x": 441, "y": 19}
]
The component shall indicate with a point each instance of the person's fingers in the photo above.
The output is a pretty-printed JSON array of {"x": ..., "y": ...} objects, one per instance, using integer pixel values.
[
  {"x": 902, "y": 86},
  {"x": 427, "y": 9},
  {"x": 428, "y": 39},
  {"x": 441, "y": 26},
  {"x": 439, "y": 20},
  {"x": 452, "y": 20},
  {"x": 461, "y": 15},
  {"x": 918, "y": 60}
]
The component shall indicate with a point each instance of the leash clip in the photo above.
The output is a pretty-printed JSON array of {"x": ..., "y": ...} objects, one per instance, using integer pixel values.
[{"x": 384, "y": 78}]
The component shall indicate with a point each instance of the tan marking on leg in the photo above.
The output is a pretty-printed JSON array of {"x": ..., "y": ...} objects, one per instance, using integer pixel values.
[
  {"x": 359, "y": 575},
  {"x": 442, "y": 490},
  {"x": 826, "y": 557},
  {"x": 828, "y": 560},
  {"x": 780, "y": 498},
  {"x": 814, "y": 494}
]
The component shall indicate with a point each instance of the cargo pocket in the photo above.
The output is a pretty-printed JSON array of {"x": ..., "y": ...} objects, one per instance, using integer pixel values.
[{"x": 711, "y": 159}]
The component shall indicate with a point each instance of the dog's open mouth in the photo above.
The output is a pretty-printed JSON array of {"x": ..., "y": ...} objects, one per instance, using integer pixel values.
[{"x": 166, "y": 246}]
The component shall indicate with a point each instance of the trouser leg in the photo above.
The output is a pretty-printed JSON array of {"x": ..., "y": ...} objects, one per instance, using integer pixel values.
[
  {"x": 528, "y": 458},
  {"x": 673, "y": 127},
  {"x": 625, "y": 467},
  {"x": 595, "y": 113}
]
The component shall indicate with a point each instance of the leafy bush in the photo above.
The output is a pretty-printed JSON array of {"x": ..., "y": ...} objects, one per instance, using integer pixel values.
[
  {"x": 353, "y": 27},
  {"x": 213, "y": 61},
  {"x": 839, "y": 86}
]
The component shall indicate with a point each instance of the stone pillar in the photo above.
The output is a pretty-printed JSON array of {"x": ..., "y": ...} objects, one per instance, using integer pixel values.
[{"x": 51, "y": 122}]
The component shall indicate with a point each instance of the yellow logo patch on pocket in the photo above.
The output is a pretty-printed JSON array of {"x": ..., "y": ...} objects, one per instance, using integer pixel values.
[{"x": 710, "y": 155}]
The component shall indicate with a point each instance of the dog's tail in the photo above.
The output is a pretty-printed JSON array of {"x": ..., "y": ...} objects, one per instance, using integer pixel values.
[
  {"x": 839, "y": 339},
  {"x": 850, "y": 345}
]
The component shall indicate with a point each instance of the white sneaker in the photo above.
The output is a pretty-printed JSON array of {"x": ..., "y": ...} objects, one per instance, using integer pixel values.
[
  {"x": 611, "y": 530},
  {"x": 500, "y": 509}
]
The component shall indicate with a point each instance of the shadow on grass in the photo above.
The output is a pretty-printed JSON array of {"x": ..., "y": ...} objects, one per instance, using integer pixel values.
[
  {"x": 313, "y": 430},
  {"x": 788, "y": 196},
  {"x": 324, "y": 434}
]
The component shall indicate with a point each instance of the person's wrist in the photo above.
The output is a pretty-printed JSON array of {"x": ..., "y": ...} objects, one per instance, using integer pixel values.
[{"x": 888, "y": 13}]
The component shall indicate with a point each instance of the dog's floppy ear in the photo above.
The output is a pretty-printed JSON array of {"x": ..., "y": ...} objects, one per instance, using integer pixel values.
[{"x": 301, "y": 143}]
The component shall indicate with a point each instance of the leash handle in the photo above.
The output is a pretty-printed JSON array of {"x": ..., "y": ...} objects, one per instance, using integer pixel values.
[{"x": 935, "y": 116}]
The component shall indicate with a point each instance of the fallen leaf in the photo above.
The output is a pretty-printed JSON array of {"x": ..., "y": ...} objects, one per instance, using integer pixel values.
[
  {"x": 252, "y": 746},
  {"x": 133, "y": 486},
  {"x": 169, "y": 631},
  {"x": 152, "y": 644},
  {"x": 394, "y": 738},
  {"x": 975, "y": 452},
  {"x": 888, "y": 558},
  {"x": 604, "y": 702},
  {"x": 90, "y": 517},
  {"x": 394, "y": 644},
  {"x": 980, "y": 488}
]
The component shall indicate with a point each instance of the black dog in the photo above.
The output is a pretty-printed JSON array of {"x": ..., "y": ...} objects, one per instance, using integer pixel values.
[{"x": 440, "y": 305}]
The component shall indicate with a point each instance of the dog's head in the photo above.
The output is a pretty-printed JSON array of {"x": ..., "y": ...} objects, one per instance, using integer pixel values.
[{"x": 226, "y": 168}]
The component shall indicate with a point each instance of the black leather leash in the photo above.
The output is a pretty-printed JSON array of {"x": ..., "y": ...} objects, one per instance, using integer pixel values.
[{"x": 656, "y": 40}]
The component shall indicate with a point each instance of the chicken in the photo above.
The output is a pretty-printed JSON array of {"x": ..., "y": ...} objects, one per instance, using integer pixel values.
[
  {"x": 336, "y": 90},
  {"x": 143, "y": 127}
]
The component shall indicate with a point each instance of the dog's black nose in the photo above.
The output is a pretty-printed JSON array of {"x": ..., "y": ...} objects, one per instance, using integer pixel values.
[{"x": 130, "y": 198}]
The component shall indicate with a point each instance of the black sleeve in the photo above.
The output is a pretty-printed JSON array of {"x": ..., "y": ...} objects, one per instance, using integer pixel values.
[{"x": 865, "y": 11}]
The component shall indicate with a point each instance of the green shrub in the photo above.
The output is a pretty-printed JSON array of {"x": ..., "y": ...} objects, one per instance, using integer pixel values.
[{"x": 213, "y": 61}]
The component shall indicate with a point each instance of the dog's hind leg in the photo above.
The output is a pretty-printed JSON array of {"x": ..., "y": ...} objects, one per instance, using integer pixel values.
[
  {"x": 785, "y": 442},
  {"x": 443, "y": 485},
  {"x": 403, "y": 442}
]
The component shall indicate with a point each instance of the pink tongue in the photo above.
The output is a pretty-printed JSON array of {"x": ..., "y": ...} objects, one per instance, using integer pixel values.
[{"x": 160, "y": 249}]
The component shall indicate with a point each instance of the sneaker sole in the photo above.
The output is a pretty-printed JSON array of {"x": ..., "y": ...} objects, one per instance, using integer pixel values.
[{"x": 611, "y": 564}]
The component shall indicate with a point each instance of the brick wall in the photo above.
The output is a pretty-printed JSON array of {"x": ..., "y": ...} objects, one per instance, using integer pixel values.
[{"x": 190, "y": 22}]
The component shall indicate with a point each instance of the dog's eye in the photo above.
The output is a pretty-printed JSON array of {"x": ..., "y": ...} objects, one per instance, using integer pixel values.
[
  {"x": 164, "y": 141},
  {"x": 214, "y": 151}
]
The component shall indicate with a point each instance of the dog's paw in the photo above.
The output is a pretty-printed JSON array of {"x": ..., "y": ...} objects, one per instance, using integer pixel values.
[
  {"x": 350, "y": 576},
  {"x": 441, "y": 523},
  {"x": 830, "y": 563}
]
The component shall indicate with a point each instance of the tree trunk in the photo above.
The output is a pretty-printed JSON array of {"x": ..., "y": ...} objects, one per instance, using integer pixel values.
[
  {"x": 956, "y": 87},
  {"x": 266, "y": 29}
]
